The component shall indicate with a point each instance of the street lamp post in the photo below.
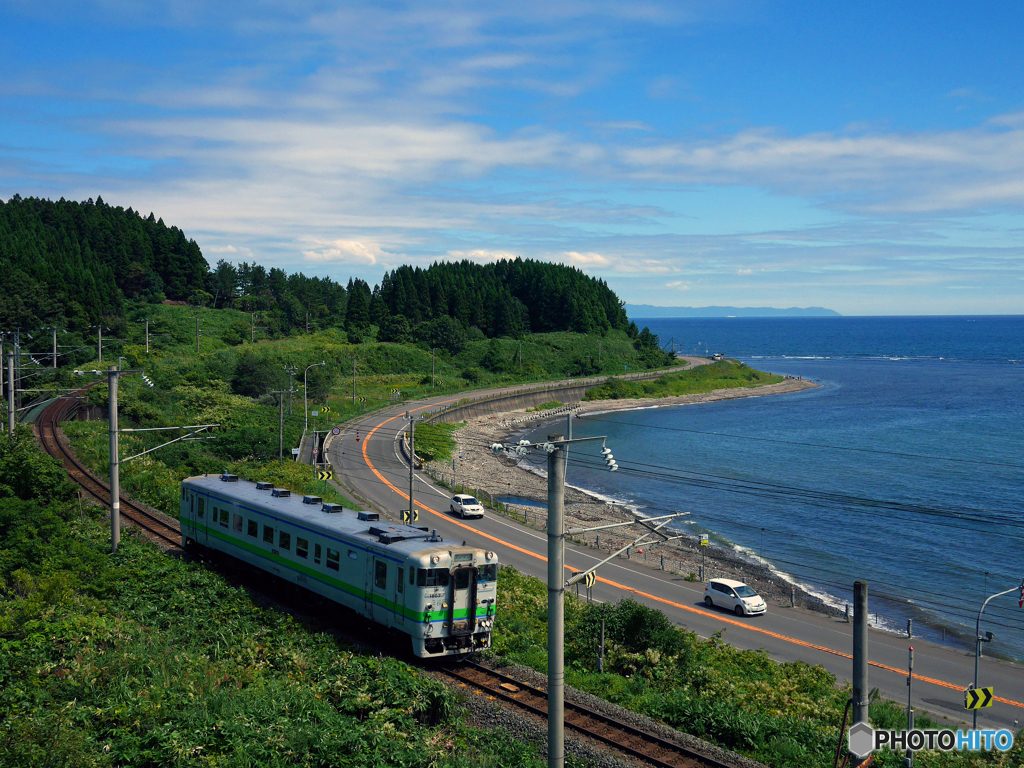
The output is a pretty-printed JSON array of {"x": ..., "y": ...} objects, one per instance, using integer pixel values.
[
  {"x": 978, "y": 640},
  {"x": 305, "y": 394}
]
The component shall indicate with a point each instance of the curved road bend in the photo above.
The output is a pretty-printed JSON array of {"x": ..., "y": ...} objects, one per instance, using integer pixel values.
[{"x": 375, "y": 470}]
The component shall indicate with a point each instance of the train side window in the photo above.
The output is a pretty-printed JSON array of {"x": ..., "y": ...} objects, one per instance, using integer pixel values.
[
  {"x": 285, "y": 540},
  {"x": 400, "y": 584},
  {"x": 182, "y": 494},
  {"x": 333, "y": 559},
  {"x": 201, "y": 506},
  {"x": 380, "y": 574},
  {"x": 237, "y": 523},
  {"x": 301, "y": 548},
  {"x": 412, "y": 575},
  {"x": 254, "y": 528},
  {"x": 316, "y": 553},
  {"x": 224, "y": 517},
  {"x": 268, "y": 534}
]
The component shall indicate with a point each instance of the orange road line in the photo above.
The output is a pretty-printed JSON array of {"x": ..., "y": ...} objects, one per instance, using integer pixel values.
[{"x": 691, "y": 609}]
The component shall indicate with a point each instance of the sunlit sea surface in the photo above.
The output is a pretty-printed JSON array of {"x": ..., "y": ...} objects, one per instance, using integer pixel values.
[{"x": 904, "y": 468}]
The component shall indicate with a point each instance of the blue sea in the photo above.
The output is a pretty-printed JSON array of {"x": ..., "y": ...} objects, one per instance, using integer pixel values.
[{"x": 904, "y": 468}]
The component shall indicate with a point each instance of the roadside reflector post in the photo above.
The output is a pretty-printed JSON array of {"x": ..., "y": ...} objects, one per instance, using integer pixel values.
[
  {"x": 860, "y": 656},
  {"x": 792, "y": 597},
  {"x": 910, "y": 628}
]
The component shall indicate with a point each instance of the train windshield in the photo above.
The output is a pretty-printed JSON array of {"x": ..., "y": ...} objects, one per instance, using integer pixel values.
[
  {"x": 487, "y": 573},
  {"x": 432, "y": 577}
]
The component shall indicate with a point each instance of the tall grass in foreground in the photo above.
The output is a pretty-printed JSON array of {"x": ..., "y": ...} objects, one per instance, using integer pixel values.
[
  {"x": 140, "y": 659},
  {"x": 785, "y": 715}
]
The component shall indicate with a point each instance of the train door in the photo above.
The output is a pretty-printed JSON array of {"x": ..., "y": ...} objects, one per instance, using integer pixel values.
[
  {"x": 382, "y": 591},
  {"x": 401, "y": 590},
  {"x": 199, "y": 515},
  {"x": 462, "y": 607}
]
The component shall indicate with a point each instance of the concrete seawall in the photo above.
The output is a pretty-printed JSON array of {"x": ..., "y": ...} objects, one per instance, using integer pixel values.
[{"x": 512, "y": 401}]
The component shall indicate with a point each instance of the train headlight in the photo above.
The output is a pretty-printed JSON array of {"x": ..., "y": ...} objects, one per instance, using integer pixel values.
[
  {"x": 435, "y": 559},
  {"x": 490, "y": 555}
]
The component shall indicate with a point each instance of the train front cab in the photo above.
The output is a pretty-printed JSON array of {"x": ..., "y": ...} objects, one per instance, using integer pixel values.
[{"x": 458, "y": 606}]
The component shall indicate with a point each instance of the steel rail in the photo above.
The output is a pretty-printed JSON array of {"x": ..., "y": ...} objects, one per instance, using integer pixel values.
[
  {"x": 635, "y": 742},
  {"x": 48, "y": 427}
]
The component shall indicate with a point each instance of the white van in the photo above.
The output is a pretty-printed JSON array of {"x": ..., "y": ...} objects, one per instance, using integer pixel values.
[{"x": 735, "y": 596}]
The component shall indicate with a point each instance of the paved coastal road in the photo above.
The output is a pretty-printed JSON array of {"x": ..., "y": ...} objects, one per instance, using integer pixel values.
[{"x": 376, "y": 472}]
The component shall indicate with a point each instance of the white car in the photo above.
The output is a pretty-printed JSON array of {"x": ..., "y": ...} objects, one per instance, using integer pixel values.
[
  {"x": 735, "y": 596},
  {"x": 466, "y": 506}
]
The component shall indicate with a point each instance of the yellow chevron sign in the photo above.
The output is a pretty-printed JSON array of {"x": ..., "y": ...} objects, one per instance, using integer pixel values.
[
  {"x": 977, "y": 698},
  {"x": 590, "y": 579},
  {"x": 324, "y": 474},
  {"x": 410, "y": 515}
]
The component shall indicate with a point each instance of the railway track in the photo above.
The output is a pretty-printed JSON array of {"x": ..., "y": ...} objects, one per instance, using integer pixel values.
[
  {"x": 627, "y": 739},
  {"x": 633, "y": 741},
  {"x": 48, "y": 427}
]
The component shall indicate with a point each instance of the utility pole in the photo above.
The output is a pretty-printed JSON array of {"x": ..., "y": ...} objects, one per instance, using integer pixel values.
[
  {"x": 860, "y": 655},
  {"x": 556, "y": 605},
  {"x": 412, "y": 457},
  {"x": 520, "y": 355},
  {"x": 252, "y": 327},
  {"x": 908, "y": 761},
  {"x": 432, "y": 350},
  {"x": 147, "y": 335},
  {"x": 197, "y": 334},
  {"x": 291, "y": 370},
  {"x": 353, "y": 381},
  {"x": 99, "y": 342},
  {"x": 54, "y": 347},
  {"x": 280, "y": 422}
]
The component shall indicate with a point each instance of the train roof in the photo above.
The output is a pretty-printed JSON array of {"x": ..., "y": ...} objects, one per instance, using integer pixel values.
[{"x": 365, "y": 526}]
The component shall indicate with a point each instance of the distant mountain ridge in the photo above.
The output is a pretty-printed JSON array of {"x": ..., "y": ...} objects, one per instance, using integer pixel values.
[{"x": 648, "y": 310}]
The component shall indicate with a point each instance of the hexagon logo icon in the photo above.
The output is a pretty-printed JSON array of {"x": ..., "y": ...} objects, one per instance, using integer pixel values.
[{"x": 862, "y": 739}]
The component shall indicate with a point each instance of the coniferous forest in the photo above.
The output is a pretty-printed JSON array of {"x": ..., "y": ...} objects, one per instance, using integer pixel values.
[{"x": 74, "y": 265}]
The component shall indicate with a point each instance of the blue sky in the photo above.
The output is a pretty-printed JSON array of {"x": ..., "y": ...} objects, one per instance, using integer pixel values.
[{"x": 866, "y": 157}]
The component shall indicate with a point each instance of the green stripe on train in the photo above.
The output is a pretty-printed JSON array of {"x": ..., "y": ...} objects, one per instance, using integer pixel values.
[{"x": 383, "y": 602}]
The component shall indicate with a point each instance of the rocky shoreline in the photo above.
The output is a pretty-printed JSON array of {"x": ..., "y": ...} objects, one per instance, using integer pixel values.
[{"x": 481, "y": 472}]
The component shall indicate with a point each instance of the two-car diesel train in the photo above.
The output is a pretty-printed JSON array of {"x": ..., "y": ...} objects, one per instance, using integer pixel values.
[{"x": 438, "y": 592}]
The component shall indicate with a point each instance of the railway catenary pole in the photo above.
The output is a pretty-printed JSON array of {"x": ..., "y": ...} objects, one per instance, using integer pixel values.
[
  {"x": 55, "y": 347},
  {"x": 556, "y": 604},
  {"x": 115, "y": 473},
  {"x": 10, "y": 394}
]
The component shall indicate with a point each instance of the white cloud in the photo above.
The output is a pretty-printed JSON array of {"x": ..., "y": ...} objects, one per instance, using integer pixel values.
[
  {"x": 744, "y": 272},
  {"x": 588, "y": 259},
  {"x": 346, "y": 252},
  {"x": 678, "y": 285}
]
